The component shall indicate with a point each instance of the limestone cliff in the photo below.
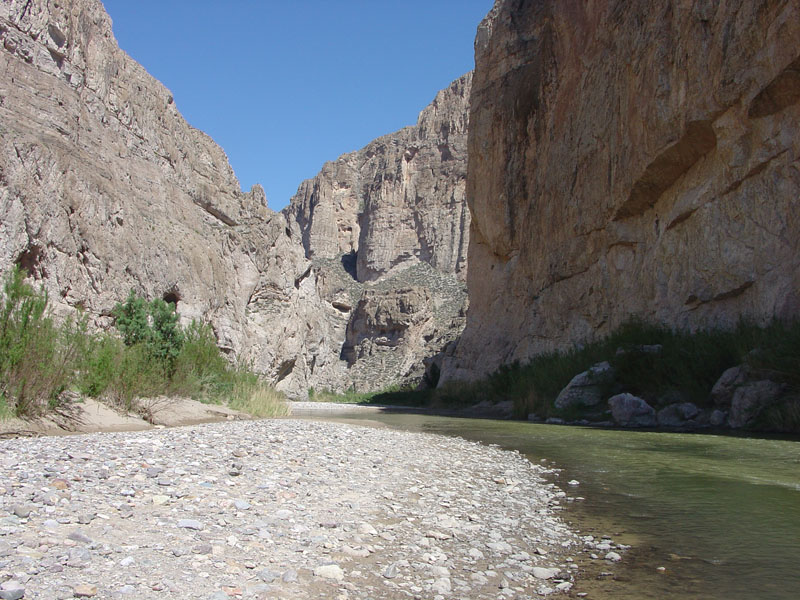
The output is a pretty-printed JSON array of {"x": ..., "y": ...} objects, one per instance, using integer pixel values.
[
  {"x": 104, "y": 188},
  {"x": 386, "y": 229},
  {"x": 398, "y": 201},
  {"x": 629, "y": 158}
]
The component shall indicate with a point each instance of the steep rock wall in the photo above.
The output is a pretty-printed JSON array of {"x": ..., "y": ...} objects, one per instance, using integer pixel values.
[
  {"x": 386, "y": 229},
  {"x": 629, "y": 158},
  {"x": 398, "y": 201},
  {"x": 104, "y": 188}
]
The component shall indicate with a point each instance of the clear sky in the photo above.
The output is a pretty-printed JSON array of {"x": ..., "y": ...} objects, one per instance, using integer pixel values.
[{"x": 285, "y": 86}]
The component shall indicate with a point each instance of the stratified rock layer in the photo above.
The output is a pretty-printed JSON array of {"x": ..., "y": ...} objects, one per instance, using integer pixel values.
[
  {"x": 627, "y": 158},
  {"x": 105, "y": 188}
]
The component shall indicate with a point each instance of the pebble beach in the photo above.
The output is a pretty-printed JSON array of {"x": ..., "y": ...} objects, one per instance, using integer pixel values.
[{"x": 281, "y": 508}]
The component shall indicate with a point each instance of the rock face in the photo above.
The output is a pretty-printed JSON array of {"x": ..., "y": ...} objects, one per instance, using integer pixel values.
[
  {"x": 398, "y": 201},
  {"x": 105, "y": 188},
  {"x": 626, "y": 159},
  {"x": 386, "y": 229}
]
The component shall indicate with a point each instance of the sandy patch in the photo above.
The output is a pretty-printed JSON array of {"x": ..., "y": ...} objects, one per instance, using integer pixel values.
[{"x": 89, "y": 415}]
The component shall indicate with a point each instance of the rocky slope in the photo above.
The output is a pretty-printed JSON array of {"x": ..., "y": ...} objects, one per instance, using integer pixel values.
[
  {"x": 627, "y": 159},
  {"x": 386, "y": 229},
  {"x": 105, "y": 188}
]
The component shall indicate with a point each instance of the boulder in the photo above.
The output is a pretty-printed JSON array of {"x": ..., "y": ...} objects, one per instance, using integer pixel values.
[
  {"x": 717, "y": 418},
  {"x": 587, "y": 388},
  {"x": 724, "y": 388},
  {"x": 677, "y": 415},
  {"x": 631, "y": 411},
  {"x": 750, "y": 399}
]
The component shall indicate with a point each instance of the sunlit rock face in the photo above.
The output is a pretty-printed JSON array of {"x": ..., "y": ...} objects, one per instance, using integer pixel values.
[
  {"x": 105, "y": 188},
  {"x": 398, "y": 201},
  {"x": 386, "y": 228},
  {"x": 629, "y": 158}
]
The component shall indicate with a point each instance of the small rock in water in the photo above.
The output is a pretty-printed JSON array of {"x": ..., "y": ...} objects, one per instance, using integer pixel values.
[
  {"x": 543, "y": 573},
  {"x": 564, "y": 586},
  {"x": 574, "y": 482},
  {"x": 613, "y": 557}
]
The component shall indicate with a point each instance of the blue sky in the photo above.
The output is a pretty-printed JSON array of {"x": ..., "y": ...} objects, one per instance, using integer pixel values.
[{"x": 285, "y": 86}]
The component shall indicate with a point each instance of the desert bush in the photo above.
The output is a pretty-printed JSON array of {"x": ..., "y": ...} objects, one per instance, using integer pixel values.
[
  {"x": 137, "y": 374},
  {"x": 153, "y": 324},
  {"x": 5, "y": 409},
  {"x": 686, "y": 365},
  {"x": 101, "y": 364},
  {"x": 200, "y": 369},
  {"x": 38, "y": 358}
]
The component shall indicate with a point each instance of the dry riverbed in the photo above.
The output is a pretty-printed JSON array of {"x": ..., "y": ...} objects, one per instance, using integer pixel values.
[{"x": 277, "y": 509}]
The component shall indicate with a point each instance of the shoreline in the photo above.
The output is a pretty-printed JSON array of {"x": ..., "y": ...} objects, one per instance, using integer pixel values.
[
  {"x": 92, "y": 416},
  {"x": 320, "y": 510}
]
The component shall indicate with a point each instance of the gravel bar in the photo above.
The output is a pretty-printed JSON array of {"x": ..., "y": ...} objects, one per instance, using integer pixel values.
[{"x": 277, "y": 509}]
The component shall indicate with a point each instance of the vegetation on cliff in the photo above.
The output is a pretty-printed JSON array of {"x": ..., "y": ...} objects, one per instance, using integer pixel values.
[
  {"x": 661, "y": 365},
  {"x": 43, "y": 359}
]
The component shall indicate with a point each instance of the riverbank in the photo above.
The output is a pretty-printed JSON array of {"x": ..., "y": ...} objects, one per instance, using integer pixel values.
[
  {"x": 278, "y": 508},
  {"x": 91, "y": 416}
]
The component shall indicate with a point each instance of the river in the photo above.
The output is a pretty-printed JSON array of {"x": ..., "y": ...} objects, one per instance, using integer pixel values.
[{"x": 719, "y": 514}]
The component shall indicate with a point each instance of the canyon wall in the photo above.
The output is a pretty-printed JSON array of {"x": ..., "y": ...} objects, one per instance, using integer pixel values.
[
  {"x": 105, "y": 188},
  {"x": 398, "y": 201},
  {"x": 386, "y": 228},
  {"x": 629, "y": 158}
]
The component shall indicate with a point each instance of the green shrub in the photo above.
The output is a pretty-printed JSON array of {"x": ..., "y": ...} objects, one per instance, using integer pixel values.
[
  {"x": 153, "y": 324},
  {"x": 200, "y": 369},
  {"x": 686, "y": 366},
  {"x": 137, "y": 375},
  {"x": 101, "y": 365},
  {"x": 38, "y": 358},
  {"x": 5, "y": 409}
]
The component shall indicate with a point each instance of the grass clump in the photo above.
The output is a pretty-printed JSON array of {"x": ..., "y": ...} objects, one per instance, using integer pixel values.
[
  {"x": 152, "y": 356},
  {"x": 5, "y": 410},
  {"x": 253, "y": 397}
]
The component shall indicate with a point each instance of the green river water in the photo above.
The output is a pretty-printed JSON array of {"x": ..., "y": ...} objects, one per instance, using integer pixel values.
[{"x": 721, "y": 514}]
